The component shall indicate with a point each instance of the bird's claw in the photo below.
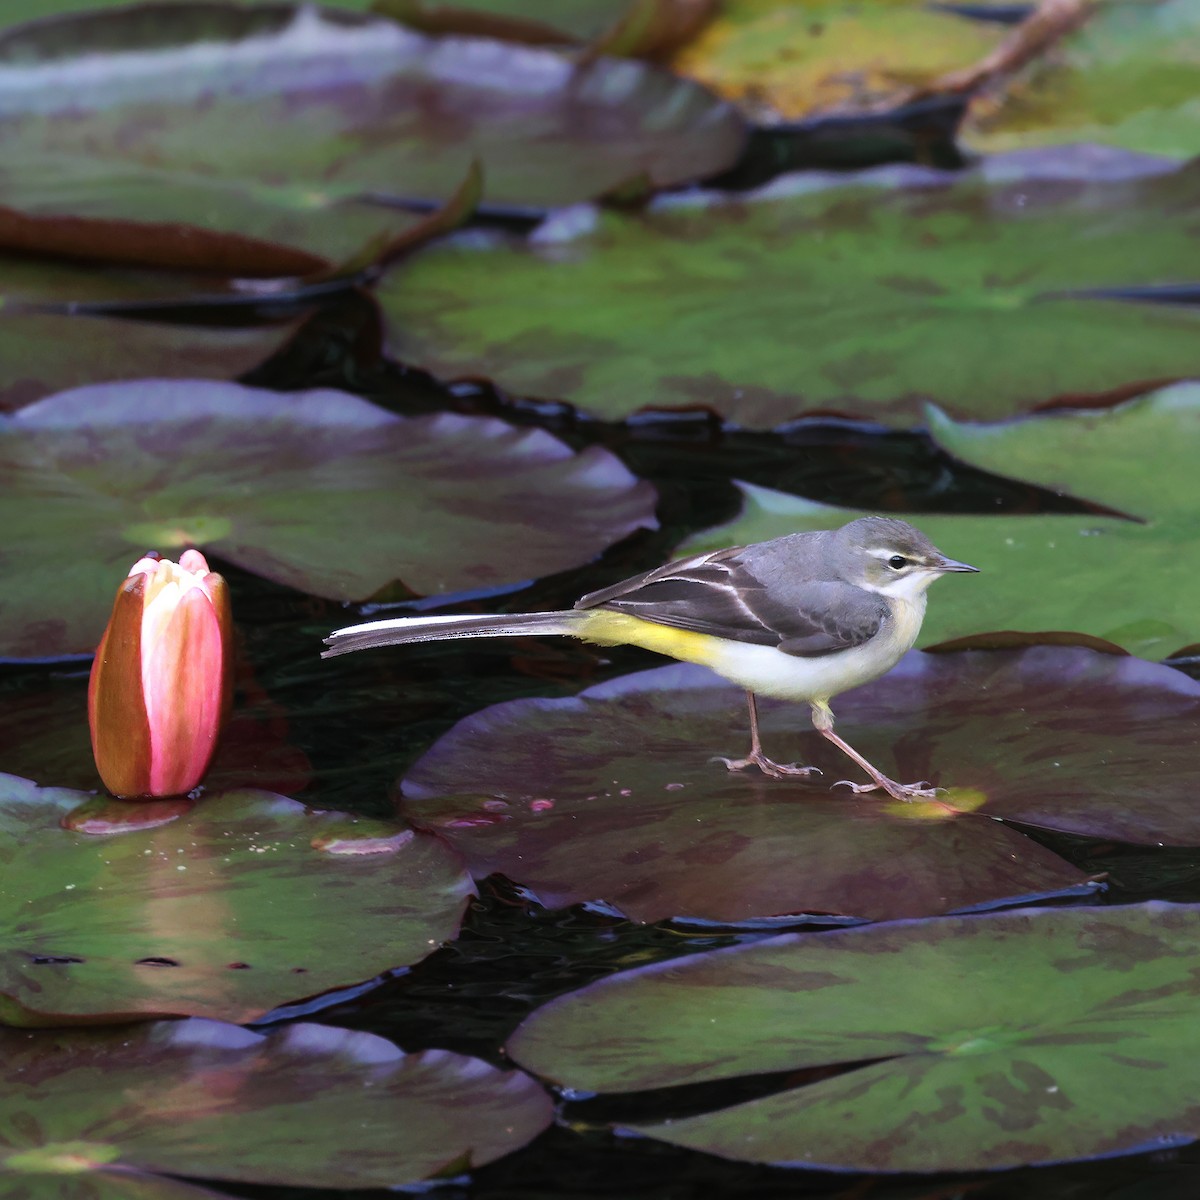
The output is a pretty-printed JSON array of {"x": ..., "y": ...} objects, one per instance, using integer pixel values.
[
  {"x": 766, "y": 766},
  {"x": 921, "y": 790}
]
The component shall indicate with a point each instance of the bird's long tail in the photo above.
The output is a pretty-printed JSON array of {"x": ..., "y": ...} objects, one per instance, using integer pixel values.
[{"x": 438, "y": 629}]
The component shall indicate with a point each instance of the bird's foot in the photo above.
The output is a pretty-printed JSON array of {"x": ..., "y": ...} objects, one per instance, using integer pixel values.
[
  {"x": 766, "y": 766},
  {"x": 922, "y": 790}
]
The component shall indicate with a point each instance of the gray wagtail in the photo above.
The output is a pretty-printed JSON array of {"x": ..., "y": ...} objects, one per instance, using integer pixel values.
[{"x": 801, "y": 617}]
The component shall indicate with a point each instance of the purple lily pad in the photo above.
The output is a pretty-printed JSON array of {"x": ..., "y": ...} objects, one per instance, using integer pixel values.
[
  {"x": 272, "y": 483},
  {"x": 279, "y": 140},
  {"x": 610, "y": 795},
  {"x": 307, "y": 1105},
  {"x": 49, "y": 351},
  {"x": 47, "y": 348},
  {"x": 226, "y": 911},
  {"x": 998, "y": 1040}
]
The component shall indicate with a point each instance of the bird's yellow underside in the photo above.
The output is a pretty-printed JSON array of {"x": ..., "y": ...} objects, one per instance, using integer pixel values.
[{"x": 608, "y": 628}]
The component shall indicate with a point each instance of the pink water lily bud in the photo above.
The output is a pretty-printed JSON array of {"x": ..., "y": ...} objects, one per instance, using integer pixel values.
[{"x": 161, "y": 682}]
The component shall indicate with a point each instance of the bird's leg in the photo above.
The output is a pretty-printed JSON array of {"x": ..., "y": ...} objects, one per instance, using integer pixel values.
[
  {"x": 822, "y": 716},
  {"x": 756, "y": 757}
]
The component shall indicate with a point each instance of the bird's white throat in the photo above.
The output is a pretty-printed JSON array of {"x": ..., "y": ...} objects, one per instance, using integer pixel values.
[{"x": 910, "y": 587}]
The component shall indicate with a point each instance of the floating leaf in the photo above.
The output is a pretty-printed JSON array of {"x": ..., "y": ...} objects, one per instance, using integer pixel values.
[
  {"x": 855, "y": 299},
  {"x": 48, "y": 344},
  {"x": 1131, "y": 582},
  {"x": 227, "y": 911},
  {"x": 154, "y": 194},
  {"x": 273, "y": 483},
  {"x": 281, "y": 140},
  {"x": 802, "y": 58},
  {"x": 101, "y": 1185},
  {"x": 1130, "y": 76},
  {"x": 307, "y": 1105},
  {"x": 538, "y": 22},
  {"x": 1005, "y": 1039},
  {"x": 612, "y": 795},
  {"x": 17, "y": 11},
  {"x": 634, "y": 28},
  {"x": 49, "y": 352}
]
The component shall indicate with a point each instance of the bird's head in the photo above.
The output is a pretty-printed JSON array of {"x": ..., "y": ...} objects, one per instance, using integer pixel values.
[{"x": 885, "y": 555}]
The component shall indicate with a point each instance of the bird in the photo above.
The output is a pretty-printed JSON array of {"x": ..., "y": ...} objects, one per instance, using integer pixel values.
[{"x": 802, "y": 617}]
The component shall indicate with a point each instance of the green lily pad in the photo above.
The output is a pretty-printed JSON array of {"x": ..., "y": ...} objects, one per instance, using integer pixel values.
[
  {"x": 307, "y": 1105},
  {"x": 227, "y": 911},
  {"x": 100, "y": 1185},
  {"x": 633, "y": 28},
  {"x": 791, "y": 59},
  {"x": 613, "y": 795},
  {"x": 1130, "y": 76},
  {"x": 1004, "y": 1039},
  {"x": 272, "y": 483},
  {"x": 1131, "y": 582},
  {"x": 281, "y": 140},
  {"x": 859, "y": 299},
  {"x": 68, "y": 194},
  {"x": 560, "y": 21}
]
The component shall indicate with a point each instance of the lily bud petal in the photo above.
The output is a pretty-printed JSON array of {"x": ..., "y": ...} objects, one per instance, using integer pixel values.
[
  {"x": 161, "y": 682},
  {"x": 116, "y": 714}
]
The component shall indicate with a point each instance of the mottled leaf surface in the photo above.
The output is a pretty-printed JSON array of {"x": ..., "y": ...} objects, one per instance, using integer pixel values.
[
  {"x": 101, "y": 1185},
  {"x": 559, "y": 20},
  {"x": 278, "y": 140},
  {"x": 856, "y": 299},
  {"x": 611, "y": 795},
  {"x": 307, "y": 1105},
  {"x": 634, "y": 28},
  {"x": 1131, "y": 582},
  {"x": 1130, "y": 76},
  {"x": 134, "y": 179},
  {"x": 226, "y": 911},
  {"x": 802, "y": 58},
  {"x": 272, "y": 483},
  {"x": 1005, "y": 1039}
]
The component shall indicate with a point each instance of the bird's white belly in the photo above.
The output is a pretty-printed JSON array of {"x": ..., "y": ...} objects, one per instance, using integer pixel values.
[{"x": 770, "y": 672}]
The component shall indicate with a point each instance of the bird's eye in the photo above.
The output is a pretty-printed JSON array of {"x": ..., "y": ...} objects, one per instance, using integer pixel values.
[{"x": 897, "y": 562}]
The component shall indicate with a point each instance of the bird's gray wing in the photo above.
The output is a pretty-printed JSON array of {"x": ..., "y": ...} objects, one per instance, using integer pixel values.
[{"x": 719, "y": 594}]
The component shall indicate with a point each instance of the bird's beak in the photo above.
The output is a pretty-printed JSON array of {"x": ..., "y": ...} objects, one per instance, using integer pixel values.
[{"x": 950, "y": 564}]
